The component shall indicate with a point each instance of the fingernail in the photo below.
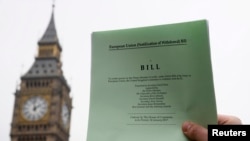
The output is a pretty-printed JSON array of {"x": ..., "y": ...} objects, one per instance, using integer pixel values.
[{"x": 186, "y": 125}]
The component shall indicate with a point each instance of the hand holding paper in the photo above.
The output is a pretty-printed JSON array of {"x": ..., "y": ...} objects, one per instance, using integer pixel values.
[{"x": 145, "y": 82}]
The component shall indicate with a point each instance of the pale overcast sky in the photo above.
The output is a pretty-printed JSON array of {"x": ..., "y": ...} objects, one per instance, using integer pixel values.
[{"x": 23, "y": 22}]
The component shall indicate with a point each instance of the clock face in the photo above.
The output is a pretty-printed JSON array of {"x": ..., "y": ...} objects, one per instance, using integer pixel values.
[
  {"x": 34, "y": 108},
  {"x": 65, "y": 115}
]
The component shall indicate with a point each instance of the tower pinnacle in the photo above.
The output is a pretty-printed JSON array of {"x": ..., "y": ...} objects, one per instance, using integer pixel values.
[{"x": 50, "y": 35}]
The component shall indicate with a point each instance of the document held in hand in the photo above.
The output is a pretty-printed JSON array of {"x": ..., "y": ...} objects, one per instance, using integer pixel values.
[{"x": 146, "y": 81}]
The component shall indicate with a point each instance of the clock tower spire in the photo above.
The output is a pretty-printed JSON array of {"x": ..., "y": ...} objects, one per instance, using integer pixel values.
[
  {"x": 42, "y": 109},
  {"x": 49, "y": 45}
]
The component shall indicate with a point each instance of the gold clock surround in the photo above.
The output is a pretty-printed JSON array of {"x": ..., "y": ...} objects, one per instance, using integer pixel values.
[{"x": 44, "y": 118}]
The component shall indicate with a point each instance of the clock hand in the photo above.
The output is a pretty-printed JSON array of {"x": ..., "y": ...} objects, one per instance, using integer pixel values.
[
  {"x": 34, "y": 101},
  {"x": 34, "y": 108},
  {"x": 39, "y": 105}
]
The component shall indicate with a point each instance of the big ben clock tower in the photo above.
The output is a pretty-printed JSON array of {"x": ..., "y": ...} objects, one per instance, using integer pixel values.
[{"x": 42, "y": 108}]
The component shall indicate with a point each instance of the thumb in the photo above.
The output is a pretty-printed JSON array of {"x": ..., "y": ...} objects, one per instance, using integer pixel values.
[{"x": 194, "y": 131}]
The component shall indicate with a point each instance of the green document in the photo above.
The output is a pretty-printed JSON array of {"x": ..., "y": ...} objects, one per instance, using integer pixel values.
[{"x": 146, "y": 81}]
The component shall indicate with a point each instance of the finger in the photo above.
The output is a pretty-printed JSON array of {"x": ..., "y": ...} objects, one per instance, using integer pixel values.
[
  {"x": 194, "y": 131},
  {"x": 226, "y": 119}
]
